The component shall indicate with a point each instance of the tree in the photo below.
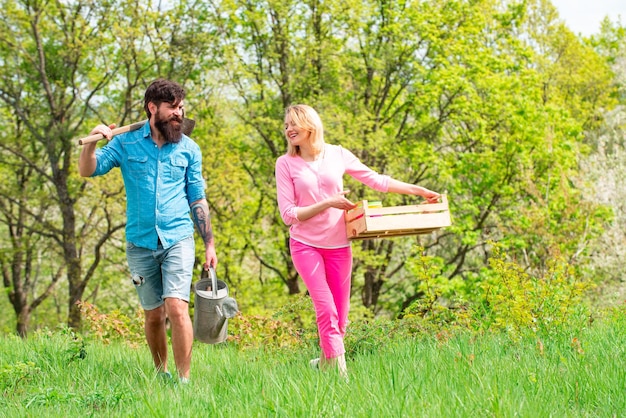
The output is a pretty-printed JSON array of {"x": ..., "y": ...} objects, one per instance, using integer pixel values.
[
  {"x": 43, "y": 86},
  {"x": 488, "y": 101},
  {"x": 66, "y": 65},
  {"x": 477, "y": 98},
  {"x": 604, "y": 170}
]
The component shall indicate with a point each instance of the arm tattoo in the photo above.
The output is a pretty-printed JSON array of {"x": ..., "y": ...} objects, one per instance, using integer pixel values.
[{"x": 202, "y": 219}]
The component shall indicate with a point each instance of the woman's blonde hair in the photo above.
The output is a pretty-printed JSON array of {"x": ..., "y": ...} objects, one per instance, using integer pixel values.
[{"x": 305, "y": 117}]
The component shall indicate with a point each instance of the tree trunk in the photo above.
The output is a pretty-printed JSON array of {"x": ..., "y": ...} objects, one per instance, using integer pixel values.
[
  {"x": 371, "y": 288},
  {"x": 293, "y": 284},
  {"x": 75, "y": 281},
  {"x": 23, "y": 321}
]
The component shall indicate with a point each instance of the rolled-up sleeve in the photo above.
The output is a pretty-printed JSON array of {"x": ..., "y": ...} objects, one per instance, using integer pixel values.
[
  {"x": 286, "y": 193},
  {"x": 195, "y": 182},
  {"x": 107, "y": 158}
]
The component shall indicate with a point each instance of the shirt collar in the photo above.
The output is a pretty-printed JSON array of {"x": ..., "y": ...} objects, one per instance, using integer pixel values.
[{"x": 146, "y": 130}]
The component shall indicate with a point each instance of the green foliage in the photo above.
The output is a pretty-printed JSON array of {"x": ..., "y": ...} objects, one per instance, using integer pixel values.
[
  {"x": 510, "y": 299},
  {"x": 291, "y": 327},
  {"x": 507, "y": 299},
  {"x": 617, "y": 315},
  {"x": 114, "y": 326},
  {"x": 77, "y": 349},
  {"x": 440, "y": 303},
  {"x": 490, "y": 102},
  {"x": 12, "y": 375}
]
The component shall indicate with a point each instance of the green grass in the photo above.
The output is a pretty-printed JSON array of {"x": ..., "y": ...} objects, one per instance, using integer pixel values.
[{"x": 461, "y": 376}]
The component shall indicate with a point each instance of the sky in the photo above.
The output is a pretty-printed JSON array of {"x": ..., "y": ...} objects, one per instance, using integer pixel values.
[{"x": 584, "y": 16}]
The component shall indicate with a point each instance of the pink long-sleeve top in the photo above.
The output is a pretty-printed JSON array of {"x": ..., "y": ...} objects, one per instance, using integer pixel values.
[{"x": 301, "y": 184}]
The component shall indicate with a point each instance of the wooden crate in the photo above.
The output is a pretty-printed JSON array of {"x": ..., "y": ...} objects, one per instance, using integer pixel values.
[{"x": 381, "y": 222}]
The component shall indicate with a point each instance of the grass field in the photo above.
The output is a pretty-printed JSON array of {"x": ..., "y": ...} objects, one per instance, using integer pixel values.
[{"x": 460, "y": 376}]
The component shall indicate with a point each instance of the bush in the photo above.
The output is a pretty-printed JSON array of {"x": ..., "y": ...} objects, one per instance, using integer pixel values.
[
  {"x": 510, "y": 299},
  {"x": 112, "y": 326}
]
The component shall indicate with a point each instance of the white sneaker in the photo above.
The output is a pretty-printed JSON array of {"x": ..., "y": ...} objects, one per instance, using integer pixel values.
[{"x": 315, "y": 363}]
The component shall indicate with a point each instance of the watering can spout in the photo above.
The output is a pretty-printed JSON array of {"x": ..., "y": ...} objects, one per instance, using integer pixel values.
[{"x": 219, "y": 320}]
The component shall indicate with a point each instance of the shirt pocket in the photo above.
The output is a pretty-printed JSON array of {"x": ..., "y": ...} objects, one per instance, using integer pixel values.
[
  {"x": 178, "y": 168},
  {"x": 137, "y": 164}
]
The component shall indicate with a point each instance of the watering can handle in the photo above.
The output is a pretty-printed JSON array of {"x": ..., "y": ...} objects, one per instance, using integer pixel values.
[{"x": 213, "y": 282}]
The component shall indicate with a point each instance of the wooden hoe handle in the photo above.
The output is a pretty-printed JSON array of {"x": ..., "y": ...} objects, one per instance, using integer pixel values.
[
  {"x": 116, "y": 131},
  {"x": 188, "y": 125}
]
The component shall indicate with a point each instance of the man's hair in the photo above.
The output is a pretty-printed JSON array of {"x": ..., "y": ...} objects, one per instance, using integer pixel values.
[{"x": 162, "y": 90}]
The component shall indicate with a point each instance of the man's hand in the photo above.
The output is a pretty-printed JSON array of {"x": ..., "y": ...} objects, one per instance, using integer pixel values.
[
  {"x": 105, "y": 131},
  {"x": 210, "y": 257}
]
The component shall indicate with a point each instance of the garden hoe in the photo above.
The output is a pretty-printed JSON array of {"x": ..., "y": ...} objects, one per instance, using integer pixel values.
[{"x": 188, "y": 125}]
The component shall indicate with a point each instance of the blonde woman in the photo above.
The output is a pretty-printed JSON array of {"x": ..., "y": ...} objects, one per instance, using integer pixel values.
[{"x": 312, "y": 201}]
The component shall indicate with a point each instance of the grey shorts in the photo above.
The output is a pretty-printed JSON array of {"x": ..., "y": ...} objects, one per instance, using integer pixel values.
[{"x": 162, "y": 274}]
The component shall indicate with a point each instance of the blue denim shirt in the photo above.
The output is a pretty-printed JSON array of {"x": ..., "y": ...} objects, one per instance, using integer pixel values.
[{"x": 160, "y": 185}]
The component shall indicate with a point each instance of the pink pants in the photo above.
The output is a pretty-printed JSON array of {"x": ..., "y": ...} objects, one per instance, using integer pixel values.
[{"x": 326, "y": 274}]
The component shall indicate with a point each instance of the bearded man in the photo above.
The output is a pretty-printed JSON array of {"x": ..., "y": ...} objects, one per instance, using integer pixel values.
[{"x": 162, "y": 172}]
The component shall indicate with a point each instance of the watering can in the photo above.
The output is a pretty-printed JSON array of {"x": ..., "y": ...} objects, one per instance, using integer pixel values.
[{"x": 213, "y": 308}]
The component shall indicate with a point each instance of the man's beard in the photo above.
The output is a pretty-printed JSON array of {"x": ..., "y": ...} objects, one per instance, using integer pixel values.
[{"x": 171, "y": 132}]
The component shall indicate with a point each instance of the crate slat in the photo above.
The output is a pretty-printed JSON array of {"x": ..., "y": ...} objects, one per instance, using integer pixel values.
[{"x": 368, "y": 223}]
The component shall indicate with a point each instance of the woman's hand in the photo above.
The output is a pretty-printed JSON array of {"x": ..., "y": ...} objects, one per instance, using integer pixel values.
[
  {"x": 396, "y": 186},
  {"x": 340, "y": 201},
  {"x": 430, "y": 196}
]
